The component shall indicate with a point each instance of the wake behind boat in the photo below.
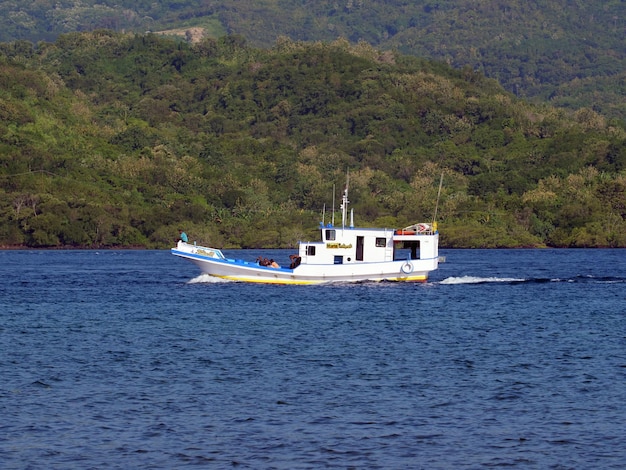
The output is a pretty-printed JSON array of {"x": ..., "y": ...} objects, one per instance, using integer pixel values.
[{"x": 344, "y": 254}]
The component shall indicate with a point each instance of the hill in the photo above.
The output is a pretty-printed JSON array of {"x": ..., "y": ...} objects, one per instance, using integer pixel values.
[
  {"x": 119, "y": 139},
  {"x": 566, "y": 52}
]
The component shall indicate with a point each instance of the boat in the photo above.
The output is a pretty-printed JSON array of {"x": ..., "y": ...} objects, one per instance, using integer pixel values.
[{"x": 343, "y": 254}]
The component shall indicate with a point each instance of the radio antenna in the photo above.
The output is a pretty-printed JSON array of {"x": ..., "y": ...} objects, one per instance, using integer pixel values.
[{"x": 438, "y": 196}]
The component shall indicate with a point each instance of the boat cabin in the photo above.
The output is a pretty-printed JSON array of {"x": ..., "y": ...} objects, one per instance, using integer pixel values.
[{"x": 343, "y": 245}]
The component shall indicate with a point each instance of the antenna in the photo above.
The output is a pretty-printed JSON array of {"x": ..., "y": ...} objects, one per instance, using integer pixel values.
[
  {"x": 438, "y": 195},
  {"x": 333, "y": 219}
]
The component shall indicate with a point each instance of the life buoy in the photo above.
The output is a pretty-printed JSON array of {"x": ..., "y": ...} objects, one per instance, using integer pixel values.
[{"x": 407, "y": 268}]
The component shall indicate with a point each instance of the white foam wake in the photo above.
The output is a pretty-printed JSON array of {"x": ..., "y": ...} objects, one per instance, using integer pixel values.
[
  {"x": 206, "y": 279},
  {"x": 478, "y": 280}
]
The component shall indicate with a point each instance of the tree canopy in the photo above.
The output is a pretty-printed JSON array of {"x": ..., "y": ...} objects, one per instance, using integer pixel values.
[
  {"x": 118, "y": 140},
  {"x": 568, "y": 52}
]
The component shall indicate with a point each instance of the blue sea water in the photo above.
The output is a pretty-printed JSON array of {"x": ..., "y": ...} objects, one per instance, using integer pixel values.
[{"x": 132, "y": 359}]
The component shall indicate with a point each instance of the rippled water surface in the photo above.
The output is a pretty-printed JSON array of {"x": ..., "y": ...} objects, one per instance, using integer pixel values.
[{"x": 131, "y": 359}]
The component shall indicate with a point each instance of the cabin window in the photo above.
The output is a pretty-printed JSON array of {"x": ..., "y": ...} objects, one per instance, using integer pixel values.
[
  {"x": 381, "y": 242},
  {"x": 338, "y": 259},
  {"x": 406, "y": 250},
  {"x": 331, "y": 234},
  {"x": 310, "y": 250}
]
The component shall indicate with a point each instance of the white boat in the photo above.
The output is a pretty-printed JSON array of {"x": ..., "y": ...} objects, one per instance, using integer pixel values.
[{"x": 344, "y": 254}]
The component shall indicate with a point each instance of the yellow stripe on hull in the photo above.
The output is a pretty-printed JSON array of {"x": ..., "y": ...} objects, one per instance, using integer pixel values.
[{"x": 421, "y": 278}]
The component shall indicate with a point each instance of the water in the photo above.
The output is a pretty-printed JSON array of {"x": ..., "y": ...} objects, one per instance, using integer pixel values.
[{"x": 131, "y": 359}]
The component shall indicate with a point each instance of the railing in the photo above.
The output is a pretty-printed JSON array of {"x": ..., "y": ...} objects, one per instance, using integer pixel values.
[{"x": 418, "y": 229}]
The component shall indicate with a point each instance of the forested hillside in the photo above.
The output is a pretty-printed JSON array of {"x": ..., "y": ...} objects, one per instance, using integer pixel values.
[
  {"x": 569, "y": 53},
  {"x": 119, "y": 139}
]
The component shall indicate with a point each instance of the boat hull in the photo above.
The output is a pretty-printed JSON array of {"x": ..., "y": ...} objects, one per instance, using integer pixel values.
[{"x": 245, "y": 271}]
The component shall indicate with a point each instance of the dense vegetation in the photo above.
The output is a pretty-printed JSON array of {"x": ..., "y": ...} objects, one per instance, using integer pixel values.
[
  {"x": 569, "y": 52},
  {"x": 113, "y": 139}
]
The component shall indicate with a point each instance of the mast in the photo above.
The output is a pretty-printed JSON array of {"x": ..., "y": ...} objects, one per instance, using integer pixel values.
[{"x": 344, "y": 203}]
